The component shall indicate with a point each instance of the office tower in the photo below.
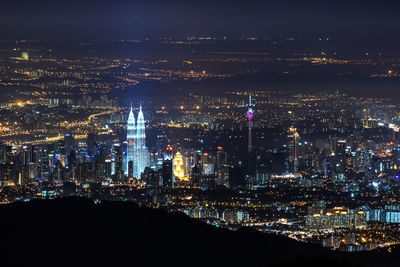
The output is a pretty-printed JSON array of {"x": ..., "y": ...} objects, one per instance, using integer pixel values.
[
  {"x": 236, "y": 177},
  {"x": 69, "y": 140},
  {"x": 250, "y": 116},
  {"x": 25, "y": 155},
  {"x": 293, "y": 149},
  {"x": 131, "y": 139},
  {"x": 153, "y": 158},
  {"x": 71, "y": 159},
  {"x": 8, "y": 154},
  {"x": 221, "y": 168},
  {"x": 45, "y": 164},
  {"x": 100, "y": 164},
  {"x": 339, "y": 154},
  {"x": 130, "y": 169},
  {"x": 160, "y": 147},
  {"x": 36, "y": 152},
  {"x": 100, "y": 169},
  {"x": 51, "y": 160},
  {"x": 5, "y": 153},
  {"x": 59, "y": 171},
  {"x": 206, "y": 179},
  {"x": 197, "y": 157},
  {"x": 178, "y": 166},
  {"x": 91, "y": 143},
  {"x": 187, "y": 162},
  {"x": 141, "y": 158},
  {"x": 208, "y": 164},
  {"x": 196, "y": 175},
  {"x": 61, "y": 147},
  {"x": 7, "y": 173},
  {"x": 167, "y": 175},
  {"x": 84, "y": 172},
  {"x": 24, "y": 175},
  {"x": 107, "y": 167},
  {"x": 119, "y": 168}
]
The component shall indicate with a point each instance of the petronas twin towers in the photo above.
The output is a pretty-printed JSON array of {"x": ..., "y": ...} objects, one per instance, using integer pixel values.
[{"x": 136, "y": 157}]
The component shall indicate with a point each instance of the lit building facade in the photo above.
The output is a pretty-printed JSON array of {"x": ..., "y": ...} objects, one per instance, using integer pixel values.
[
  {"x": 131, "y": 138},
  {"x": 141, "y": 157},
  {"x": 293, "y": 149},
  {"x": 137, "y": 153},
  {"x": 179, "y": 171}
]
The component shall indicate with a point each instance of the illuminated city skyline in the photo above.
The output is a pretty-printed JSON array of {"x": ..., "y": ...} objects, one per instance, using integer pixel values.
[{"x": 282, "y": 117}]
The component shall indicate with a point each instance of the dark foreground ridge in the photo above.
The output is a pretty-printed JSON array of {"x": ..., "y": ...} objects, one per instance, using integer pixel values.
[{"x": 77, "y": 232}]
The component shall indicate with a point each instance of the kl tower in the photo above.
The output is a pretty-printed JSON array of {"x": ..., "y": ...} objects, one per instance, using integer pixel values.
[{"x": 250, "y": 116}]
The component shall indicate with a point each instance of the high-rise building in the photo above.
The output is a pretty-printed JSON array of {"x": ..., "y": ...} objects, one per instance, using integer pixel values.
[
  {"x": 83, "y": 172},
  {"x": 5, "y": 153},
  {"x": 160, "y": 147},
  {"x": 25, "y": 155},
  {"x": 221, "y": 167},
  {"x": 293, "y": 149},
  {"x": 99, "y": 168},
  {"x": 166, "y": 174},
  {"x": 119, "y": 170},
  {"x": 107, "y": 167},
  {"x": 131, "y": 138},
  {"x": 71, "y": 159},
  {"x": 61, "y": 147},
  {"x": 91, "y": 144},
  {"x": 137, "y": 152},
  {"x": 69, "y": 140},
  {"x": 140, "y": 160},
  {"x": 178, "y": 166},
  {"x": 130, "y": 169},
  {"x": 236, "y": 177}
]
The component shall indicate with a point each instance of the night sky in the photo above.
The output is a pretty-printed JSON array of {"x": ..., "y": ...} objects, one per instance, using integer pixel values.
[{"x": 110, "y": 19}]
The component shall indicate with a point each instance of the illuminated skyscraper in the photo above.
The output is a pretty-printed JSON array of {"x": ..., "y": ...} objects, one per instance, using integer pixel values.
[
  {"x": 293, "y": 149},
  {"x": 140, "y": 160},
  {"x": 178, "y": 167},
  {"x": 119, "y": 170},
  {"x": 131, "y": 138},
  {"x": 25, "y": 56},
  {"x": 167, "y": 174},
  {"x": 250, "y": 116}
]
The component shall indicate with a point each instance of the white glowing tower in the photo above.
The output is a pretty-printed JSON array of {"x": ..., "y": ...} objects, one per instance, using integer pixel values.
[
  {"x": 131, "y": 138},
  {"x": 140, "y": 162}
]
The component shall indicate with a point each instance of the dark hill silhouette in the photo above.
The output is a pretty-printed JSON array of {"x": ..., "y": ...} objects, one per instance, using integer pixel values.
[{"x": 77, "y": 232}]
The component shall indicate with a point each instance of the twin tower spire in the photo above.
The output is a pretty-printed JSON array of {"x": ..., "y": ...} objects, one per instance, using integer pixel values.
[{"x": 136, "y": 157}]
